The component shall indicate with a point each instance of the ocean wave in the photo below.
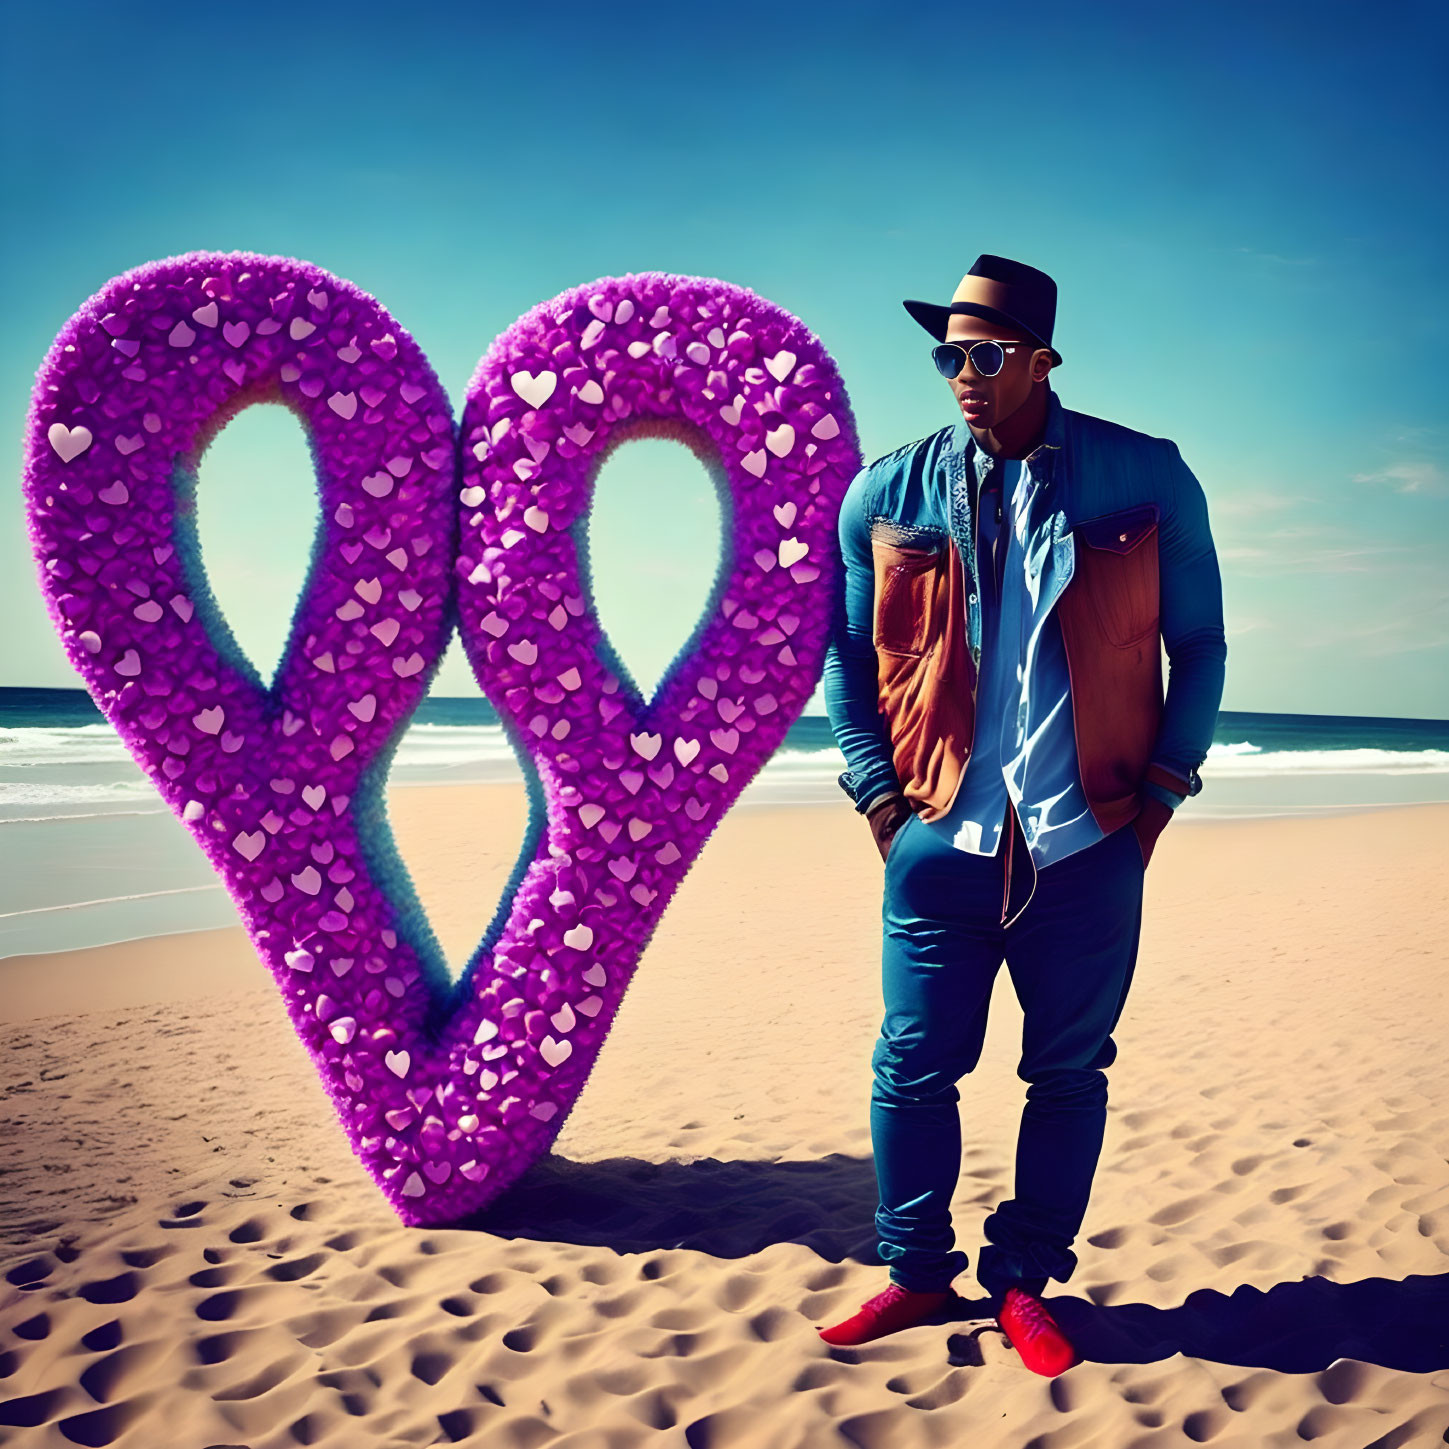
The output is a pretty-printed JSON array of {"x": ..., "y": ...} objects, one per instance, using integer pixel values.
[
  {"x": 99, "y": 744},
  {"x": 94, "y": 744},
  {"x": 64, "y": 770},
  {"x": 1240, "y": 758},
  {"x": 110, "y": 901},
  {"x": 1247, "y": 759}
]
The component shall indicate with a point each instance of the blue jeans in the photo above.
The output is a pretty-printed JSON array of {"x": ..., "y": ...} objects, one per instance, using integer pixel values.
[{"x": 1071, "y": 955}]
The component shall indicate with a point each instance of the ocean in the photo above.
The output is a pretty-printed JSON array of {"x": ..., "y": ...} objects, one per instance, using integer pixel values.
[{"x": 91, "y": 855}]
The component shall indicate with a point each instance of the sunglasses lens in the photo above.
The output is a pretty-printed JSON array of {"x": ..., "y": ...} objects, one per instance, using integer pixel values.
[
  {"x": 949, "y": 358},
  {"x": 987, "y": 357}
]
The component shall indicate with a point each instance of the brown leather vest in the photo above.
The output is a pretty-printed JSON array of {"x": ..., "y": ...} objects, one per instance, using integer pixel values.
[{"x": 926, "y": 679}]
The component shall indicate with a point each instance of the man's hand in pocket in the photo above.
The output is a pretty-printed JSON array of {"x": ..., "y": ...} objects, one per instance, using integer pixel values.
[
  {"x": 1148, "y": 824},
  {"x": 885, "y": 818}
]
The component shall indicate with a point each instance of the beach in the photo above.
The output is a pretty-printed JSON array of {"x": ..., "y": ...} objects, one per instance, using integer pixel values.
[{"x": 193, "y": 1257}]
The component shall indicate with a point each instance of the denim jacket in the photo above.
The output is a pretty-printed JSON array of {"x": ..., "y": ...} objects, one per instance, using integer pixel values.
[{"x": 1127, "y": 561}]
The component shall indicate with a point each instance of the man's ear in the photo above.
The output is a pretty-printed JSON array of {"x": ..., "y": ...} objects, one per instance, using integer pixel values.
[{"x": 1038, "y": 372}]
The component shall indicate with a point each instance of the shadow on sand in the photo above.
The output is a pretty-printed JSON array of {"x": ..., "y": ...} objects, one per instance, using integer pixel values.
[{"x": 734, "y": 1209}]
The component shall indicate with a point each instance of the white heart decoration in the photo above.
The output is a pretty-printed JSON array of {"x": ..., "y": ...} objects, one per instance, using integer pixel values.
[
  {"x": 555, "y": 1052},
  {"x": 534, "y": 389},
  {"x": 780, "y": 440},
  {"x": 646, "y": 745},
  {"x": 780, "y": 364},
  {"x": 69, "y": 442}
]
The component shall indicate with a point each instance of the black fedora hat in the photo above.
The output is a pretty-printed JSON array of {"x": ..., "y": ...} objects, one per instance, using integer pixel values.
[{"x": 998, "y": 290}]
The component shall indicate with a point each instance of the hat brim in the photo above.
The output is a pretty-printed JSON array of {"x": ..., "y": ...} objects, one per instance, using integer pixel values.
[{"x": 933, "y": 316}]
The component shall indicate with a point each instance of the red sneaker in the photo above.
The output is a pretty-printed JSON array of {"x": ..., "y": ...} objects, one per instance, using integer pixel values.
[
  {"x": 1035, "y": 1334},
  {"x": 893, "y": 1309}
]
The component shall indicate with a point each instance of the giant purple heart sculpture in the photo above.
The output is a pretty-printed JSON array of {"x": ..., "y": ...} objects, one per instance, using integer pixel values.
[{"x": 447, "y": 1090}]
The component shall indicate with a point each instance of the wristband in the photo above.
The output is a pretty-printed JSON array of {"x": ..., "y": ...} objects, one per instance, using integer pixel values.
[{"x": 882, "y": 799}]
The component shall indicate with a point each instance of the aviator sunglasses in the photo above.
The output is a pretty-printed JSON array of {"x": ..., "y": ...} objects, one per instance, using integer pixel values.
[{"x": 988, "y": 356}]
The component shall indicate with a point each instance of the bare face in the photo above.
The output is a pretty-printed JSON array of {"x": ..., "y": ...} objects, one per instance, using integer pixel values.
[{"x": 986, "y": 402}]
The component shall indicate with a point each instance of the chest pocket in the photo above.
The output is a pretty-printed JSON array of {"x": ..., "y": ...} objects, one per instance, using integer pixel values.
[
  {"x": 908, "y": 563},
  {"x": 1116, "y": 567}
]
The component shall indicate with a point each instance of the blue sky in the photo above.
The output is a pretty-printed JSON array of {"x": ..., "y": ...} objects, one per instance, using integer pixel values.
[{"x": 1243, "y": 207}]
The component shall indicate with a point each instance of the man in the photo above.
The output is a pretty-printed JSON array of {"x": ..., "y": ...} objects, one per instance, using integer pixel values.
[{"x": 994, "y": 681}]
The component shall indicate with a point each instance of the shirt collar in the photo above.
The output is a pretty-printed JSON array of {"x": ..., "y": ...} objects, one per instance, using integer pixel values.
[{"x": 1043, "y": 457}]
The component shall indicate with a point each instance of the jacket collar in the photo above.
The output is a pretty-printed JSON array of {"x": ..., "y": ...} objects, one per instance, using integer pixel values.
[{"x": 1046, "y": 455}]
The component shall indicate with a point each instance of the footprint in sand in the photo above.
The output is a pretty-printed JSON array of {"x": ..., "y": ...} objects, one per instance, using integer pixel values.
[
  {"x": 677, "y": 1345},
  {"x": 217, "y": 1347},
  {"x": 120, "y": 1289},
  {"x": 878, "y": 1429},
  {"x": 1138, "y": 1143},
  {"x": 822, "y": 1374},
  {"x": 1141, "y": 1118},
  {"x": 1181, "y": 1210},
  {"x": 832, "y": 1275},
  {"x": 295, "y": 1268},
  {"x": 738, "y": 1290},
  {"x": 737, "y": 1425},
  {"x": 221, "y": 1306},
  {"x": 29, "y": 1411},
  {"x": 1230, "y": 1252},
  {"x": 30, "y": 1274},
  {"x": 398, "y": 1275},
  {"x": 355, "y": 1388},
  {"x": 945, "y": 1391},
  {"x": 457, "y": 1424},
  {"x": 1287, "y": 1194},
  {"x": 263, "y": 1381},
  {"x": 773, "y": 1323},
  {"x": 1112, "y": 1237},
  {"x": 541, "y": 1328},
  {"x": 326, "y": 1326},
  {"x": 601, "y": 1273},
  {"x": 1263, "y": 1388},
  {"x": 620, "y": 1305},
  {"x": 431, "y": 1367},
  {"x": 147, "y": 1257},
  {"x": 104, "y": 1426},
  {"x": 496, "y": 1282},
  {"x": 186, "y": 1216},
  {"x": 110, "y": 1377},
  {"x": 623, "y": 1380},
  {"x": 652, "y": 1408},
  {"x": 705, "y": 1373},
  {"x": 1178, "y": 1265},
  {"x": 104, "y": 1337}
]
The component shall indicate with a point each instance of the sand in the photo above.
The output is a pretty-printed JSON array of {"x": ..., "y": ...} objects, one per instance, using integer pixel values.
[{"x": 193, "y": 1257}]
